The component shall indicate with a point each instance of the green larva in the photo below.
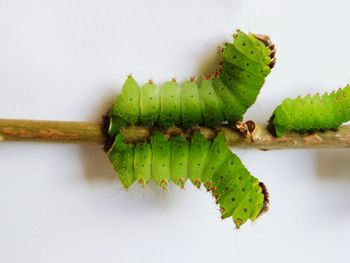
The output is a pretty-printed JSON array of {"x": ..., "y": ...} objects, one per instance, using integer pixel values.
[
  {"x": 225, "y": 95},
  {"x": 310, "y": 114},
  {"x": 222, "y": 96},
  {"x": 211, "y": 163}
]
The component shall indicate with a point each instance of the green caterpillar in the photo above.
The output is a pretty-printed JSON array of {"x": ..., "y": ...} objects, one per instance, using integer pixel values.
[
  {"x": 222, "y": 96},
  {"x": 312, "y": 113},
  {"x": 176, "y": 159}
]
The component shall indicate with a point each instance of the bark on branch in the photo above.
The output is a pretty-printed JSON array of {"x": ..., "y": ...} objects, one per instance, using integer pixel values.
[
  {"x": 51, "y": 131},
  {"x": 243, "y": 135}
]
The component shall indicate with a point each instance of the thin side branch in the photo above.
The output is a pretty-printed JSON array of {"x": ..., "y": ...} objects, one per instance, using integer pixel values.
[
  {"x": 244, "y": 135},
  {"x": 259, "y": 137}
]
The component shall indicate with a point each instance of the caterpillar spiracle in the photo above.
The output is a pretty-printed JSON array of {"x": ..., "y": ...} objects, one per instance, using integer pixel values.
[
  {"x": 312, "y": 113},
  {"x": 224, "y": 95},
  {"x": 211, "y": 163}
]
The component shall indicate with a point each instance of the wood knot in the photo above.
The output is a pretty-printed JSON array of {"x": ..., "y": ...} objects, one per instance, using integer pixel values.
[
  {"x": 174, "y": 131},
  {"x": 250, "y": 126},
  {"x": 246, "y": 129},
  {"x": 312, "y": 138}
]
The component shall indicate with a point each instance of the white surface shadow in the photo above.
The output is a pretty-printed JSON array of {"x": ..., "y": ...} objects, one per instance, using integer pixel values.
[
  {"x": 333, "y": 165},
  {"x": 332, "y": 184}
]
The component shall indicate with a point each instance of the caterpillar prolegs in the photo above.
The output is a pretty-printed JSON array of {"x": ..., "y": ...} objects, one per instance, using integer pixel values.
[
  {"x": 210, "y": 163},
  {"x": 312, "y": 113},
  {"x": 225, "y": 95}
]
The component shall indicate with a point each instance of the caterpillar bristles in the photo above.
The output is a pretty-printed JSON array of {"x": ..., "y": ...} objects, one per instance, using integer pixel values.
[
  {"x": 164, "y": 185},
  {"x": 181, "y": 183},
  {"x": 197, "y": 183},
  {"x": 192, "y": 79}
]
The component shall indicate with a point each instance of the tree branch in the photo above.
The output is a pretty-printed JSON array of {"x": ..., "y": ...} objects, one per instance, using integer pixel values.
[
  {"x": 51, "y": 131},
  {"x": 243, "y": 135}
]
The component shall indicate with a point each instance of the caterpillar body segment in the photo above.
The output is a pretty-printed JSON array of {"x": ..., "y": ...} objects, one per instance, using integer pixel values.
[
  {"x": 212, "y": 106},
  {"x": 143, "y": 163},
  {"x": 161, "y": 154},
  {"x": 122, "y": 158},
  {"x": 170, "y": 104},
  {"x": 233, "y": 56},
  {"x": 197, "y": 158},
  {"x": 234, "y": 198},
  {"x": 191, "y": 110},
  {"x": 312, "y": 113},
  {"x": 217, "y": 154},
  {"x": 223, "y": 182},
  {"x": 225, "y": 95},
  {"x": 179, "y": 160},
  {"x": 127, "y": 103},
  {"x": 249, "y": 46},
  {"x": 149, "y": 103},
  {"x": 175, "y": 159}
]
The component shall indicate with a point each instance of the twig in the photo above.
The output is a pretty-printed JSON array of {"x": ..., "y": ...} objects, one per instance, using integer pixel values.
[
  {"x": 51, "y": 131},
  {"x": 247, "y": 135}
]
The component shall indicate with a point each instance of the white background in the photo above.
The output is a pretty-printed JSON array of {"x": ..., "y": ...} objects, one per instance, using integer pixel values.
[{"x": 66, "y": 60}]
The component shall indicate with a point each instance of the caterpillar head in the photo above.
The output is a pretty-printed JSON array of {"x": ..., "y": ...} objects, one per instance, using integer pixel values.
[
  {"x": 268, "y": 43},
  {"x": 266, "y": 203},
  {"x": 258, "y": 47},
  {"x": 280, "y": 118}
]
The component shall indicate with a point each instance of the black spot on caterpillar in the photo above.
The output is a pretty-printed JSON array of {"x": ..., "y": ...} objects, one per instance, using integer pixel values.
[
  {"x": 312, "y": 113},
  {"x": 239, "y": 194},
  {"x": 222, "y": 96}
]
